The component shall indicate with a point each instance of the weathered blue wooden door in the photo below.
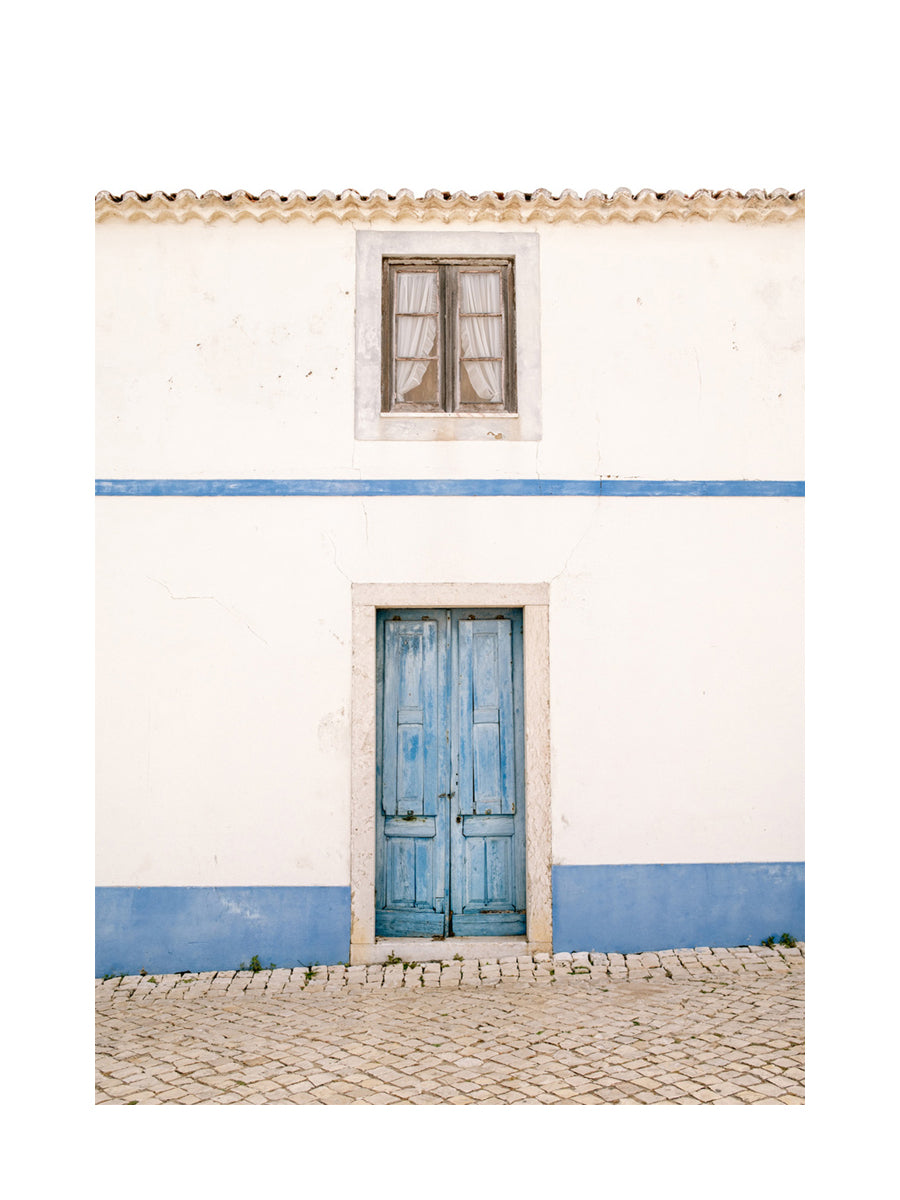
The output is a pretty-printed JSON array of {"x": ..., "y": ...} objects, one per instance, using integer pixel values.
[{"x": 450, "y": 777}]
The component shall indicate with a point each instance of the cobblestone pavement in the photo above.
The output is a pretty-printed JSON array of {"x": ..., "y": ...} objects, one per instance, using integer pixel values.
[{"x": 699, "y": 1026}]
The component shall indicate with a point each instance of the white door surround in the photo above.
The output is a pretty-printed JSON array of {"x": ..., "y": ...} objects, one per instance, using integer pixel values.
[{"x": 533, "y": 599}]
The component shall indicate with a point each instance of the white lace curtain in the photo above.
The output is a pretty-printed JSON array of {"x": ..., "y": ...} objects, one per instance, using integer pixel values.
[
  {"x": 416, "y": 292},
  {"x": 481, "y": 337}
]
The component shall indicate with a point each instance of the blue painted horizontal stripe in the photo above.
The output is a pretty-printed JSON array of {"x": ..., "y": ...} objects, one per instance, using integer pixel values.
[
  {"x": 629, "y": 909},
  {"x": 171, "y": 929},
  {"x": 449, "y": 487}
]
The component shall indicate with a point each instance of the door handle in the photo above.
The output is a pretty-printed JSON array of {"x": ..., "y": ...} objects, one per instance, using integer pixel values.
[{"x": 446, "y": 795}]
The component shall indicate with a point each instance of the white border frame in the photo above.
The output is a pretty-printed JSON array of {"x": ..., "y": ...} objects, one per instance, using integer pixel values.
[
  {"x": 372, "y": 424},
  {"x": 533, "y": 599}
]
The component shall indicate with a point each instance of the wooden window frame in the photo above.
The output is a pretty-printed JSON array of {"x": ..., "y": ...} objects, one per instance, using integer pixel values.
[{"x": 448, "y": 356}]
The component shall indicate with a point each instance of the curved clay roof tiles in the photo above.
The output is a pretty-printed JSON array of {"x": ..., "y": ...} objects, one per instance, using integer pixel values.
[{"x": 521, "y": 207}]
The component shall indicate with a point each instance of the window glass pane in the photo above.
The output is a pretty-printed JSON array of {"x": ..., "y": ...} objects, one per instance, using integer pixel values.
[
  {"x": 487, "y": 377},
  {"x": 481, "y": 382},
  {"x": 416, "y": 337},
  {"x": 417, "y": 383},
  {"x": 481, "y": 338},
  {"x": 479, "y": 292},
  {"x": 415, "y": 292}
]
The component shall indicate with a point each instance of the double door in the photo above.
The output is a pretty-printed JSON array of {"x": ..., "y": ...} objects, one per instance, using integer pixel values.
[{"x": 450, "y": 820}]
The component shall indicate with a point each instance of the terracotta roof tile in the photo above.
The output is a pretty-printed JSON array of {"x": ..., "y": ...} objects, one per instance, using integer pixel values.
[{"x": 521, "y": 207}]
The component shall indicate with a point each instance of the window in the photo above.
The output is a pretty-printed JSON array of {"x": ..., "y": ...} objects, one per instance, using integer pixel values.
[
  {"x": 448, "y": 341},
  {"x": 448, "y": 336}
]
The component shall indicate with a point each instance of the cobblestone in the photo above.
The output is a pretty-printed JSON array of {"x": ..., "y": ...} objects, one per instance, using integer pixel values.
[{"x": 687, "y": 1026}]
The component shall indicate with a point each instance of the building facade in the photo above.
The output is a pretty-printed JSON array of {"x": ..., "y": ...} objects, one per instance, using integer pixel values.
[{"x": 449, "y": 574}]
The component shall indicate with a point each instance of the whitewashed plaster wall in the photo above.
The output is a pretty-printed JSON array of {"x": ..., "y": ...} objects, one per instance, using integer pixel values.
[
  {"x": 669, "y": 351},
  {"x": 224, "y": 673}
]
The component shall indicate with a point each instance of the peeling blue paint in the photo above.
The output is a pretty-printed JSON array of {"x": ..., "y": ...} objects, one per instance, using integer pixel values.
[
  {"x": 656, "y": 906},
  {"x": 171, "y": 929},
  {"x": 449, "y": 487}
]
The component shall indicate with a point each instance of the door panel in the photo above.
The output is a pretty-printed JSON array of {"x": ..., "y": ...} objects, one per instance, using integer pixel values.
[
  {"x": 410, "y": 715},
  {"x": 486, "y": 740},
  {"x": 450, "y": 818}
]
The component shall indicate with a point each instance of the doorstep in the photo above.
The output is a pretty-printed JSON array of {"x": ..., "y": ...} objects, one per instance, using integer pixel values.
[{"x": 412, "y": 949}]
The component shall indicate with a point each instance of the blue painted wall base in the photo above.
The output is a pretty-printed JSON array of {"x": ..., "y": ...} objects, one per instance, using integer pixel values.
[
  {"x": 663, "y": 906},
  {"x": 624, "y": 909},
  {"x": 172, "y": 929}
]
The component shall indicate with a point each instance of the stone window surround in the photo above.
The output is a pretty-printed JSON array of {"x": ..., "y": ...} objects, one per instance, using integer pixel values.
[
  {"x": 374, "y": 425},
  {"x": 533, "y": 599}
]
